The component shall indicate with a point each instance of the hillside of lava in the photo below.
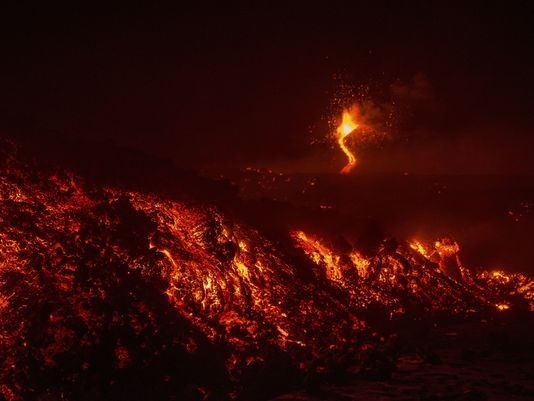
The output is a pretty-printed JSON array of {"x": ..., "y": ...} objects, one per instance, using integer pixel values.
[{"x": 110, "y": 293}]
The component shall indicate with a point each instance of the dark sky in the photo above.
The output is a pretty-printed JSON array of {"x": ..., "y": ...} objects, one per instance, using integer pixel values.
[{"x": 228, "y": 84}]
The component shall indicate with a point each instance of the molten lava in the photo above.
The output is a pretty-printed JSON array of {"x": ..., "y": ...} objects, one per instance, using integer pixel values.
[
  {"x": 397, "y": 276},
  {"x": 103, "y": 286},
  {"x": 347, "y": 126}
]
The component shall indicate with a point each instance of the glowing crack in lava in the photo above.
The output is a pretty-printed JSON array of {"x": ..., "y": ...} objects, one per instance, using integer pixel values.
[{"x": 344, "y": 129}]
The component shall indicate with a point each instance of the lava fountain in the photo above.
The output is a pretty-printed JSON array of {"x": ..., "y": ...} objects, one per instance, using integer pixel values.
[{"x": 347, "y": 126}]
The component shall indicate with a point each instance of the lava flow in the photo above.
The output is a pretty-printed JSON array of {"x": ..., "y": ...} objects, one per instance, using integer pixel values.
[
  {"x": 100, "y": 287},
  {"x": 344, "y": 129}
]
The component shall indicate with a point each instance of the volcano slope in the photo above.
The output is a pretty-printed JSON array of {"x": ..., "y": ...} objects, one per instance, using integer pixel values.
[{"x": 107, "y": 293}]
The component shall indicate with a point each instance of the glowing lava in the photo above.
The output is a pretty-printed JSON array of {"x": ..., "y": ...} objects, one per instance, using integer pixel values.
[
  {"x": 344, "y": 129},
  {"x": 139, "y": 280}
]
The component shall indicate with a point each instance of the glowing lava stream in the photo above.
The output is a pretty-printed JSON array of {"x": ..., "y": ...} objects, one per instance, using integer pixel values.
[{"x": 344, "y": 129}]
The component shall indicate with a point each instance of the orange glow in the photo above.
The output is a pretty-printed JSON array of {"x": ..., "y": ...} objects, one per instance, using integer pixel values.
[
  {"x": 420, "y": 248},
  {"x": 337, "y": 268},
  {"x": 347, "y": 126},
  {"x": 361, "y": 263},
  {"x": 320, "y": 254},
  {"x": 500, "y": 275},
  {"x": 371, "y": 279},
  {"x": 447, "y": 247}
]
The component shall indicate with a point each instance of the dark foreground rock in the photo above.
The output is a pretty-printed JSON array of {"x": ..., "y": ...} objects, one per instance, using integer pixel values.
[{"x": 477, "y": 362}]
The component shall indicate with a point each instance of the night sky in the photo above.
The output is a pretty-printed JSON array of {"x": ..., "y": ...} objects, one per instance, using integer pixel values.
[{"x": 230, "y": 85}]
